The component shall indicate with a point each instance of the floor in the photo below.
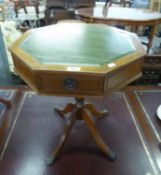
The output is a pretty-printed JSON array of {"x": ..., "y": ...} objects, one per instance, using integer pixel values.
[{"x": 37, "y": 129}]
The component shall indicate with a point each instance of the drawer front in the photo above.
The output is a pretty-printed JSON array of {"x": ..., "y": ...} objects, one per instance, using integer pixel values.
[
  {"x": 151, "y": 72},
  {"x": 123, "y": 76},
  {"x": 148, "y": 81},
  {"x": 71, "y": 85},
  {"x": 153, "y": 59}
]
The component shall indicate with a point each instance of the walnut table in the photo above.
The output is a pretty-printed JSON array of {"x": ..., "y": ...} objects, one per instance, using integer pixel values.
[
  {"x": 78, "y": 60},
  {"x": 122, "y": 16}
]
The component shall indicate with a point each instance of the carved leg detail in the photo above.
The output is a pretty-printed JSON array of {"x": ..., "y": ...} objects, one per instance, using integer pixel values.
[
  {"x": 110, "y": 154},
  {"x": 25, "y": 9},
  {"x": 151, "y": 37},
  {"x": 36, "y": 5},
  {"x": 81, "y": 111},
  {"x": 68, "y": 108},
  {"x": 63, "y": 139},
  {"x": 16, "y": 9},
  {"x": 94, "y": 112}
]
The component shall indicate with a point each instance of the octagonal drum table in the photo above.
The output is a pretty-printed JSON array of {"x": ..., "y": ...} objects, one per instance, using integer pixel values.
[{"x": 78, "y": 60}]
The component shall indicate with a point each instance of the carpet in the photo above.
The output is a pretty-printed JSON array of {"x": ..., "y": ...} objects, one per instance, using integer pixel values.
[
  {"x": 150, "y": 100},
  {"x": 37, "y": 129}
]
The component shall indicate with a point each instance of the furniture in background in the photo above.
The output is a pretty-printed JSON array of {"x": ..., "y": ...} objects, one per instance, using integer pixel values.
[
  {"x": 29, "y": 13},
  {"x": 142, "y": 4},
  {"x": 118, "y": 16},
  {"x": 155, "y": 5},
  {"x": 124, "y": 3},
  {"x": 18, "y": 4},
  {"x": 64, "y": 9},
  {"x": 151, "y": 71},
  {"x": 86, "y": 67},
  {"x": 31, "y": 20},
  {"x": 8, "y": 101}
]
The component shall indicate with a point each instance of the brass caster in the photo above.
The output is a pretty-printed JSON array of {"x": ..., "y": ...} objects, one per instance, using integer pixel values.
[
  {"x": 51, "y": 160},
  {"x": 111, "y": 155}
]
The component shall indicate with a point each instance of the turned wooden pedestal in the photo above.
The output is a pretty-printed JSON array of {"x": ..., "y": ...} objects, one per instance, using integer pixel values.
[{"x": 81, "y": 111}]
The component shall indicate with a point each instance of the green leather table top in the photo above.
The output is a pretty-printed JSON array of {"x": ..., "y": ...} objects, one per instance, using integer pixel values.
[{"x": 77, "y": 44}]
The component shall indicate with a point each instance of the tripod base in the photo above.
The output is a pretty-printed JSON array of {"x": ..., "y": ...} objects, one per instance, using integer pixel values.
[{"x": 81, "y": 111}]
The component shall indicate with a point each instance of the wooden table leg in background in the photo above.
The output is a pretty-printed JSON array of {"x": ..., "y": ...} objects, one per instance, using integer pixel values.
[
  {"x": 23, "y": 4},
  {"x": 81, "y": 111},
  {"x": 151, "y": 37}
]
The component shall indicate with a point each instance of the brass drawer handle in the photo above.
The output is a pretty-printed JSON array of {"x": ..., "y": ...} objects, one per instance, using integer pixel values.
[{"x": 70, "y": 84}]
